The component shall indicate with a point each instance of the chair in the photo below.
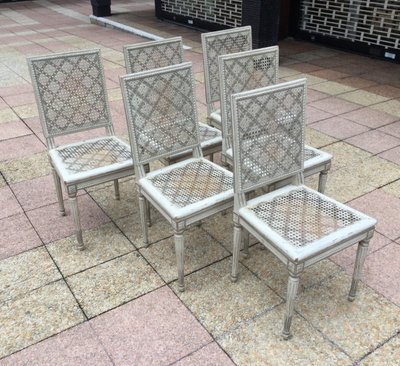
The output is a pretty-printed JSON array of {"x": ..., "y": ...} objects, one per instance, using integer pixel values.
[
  {"x": 297, "y": 224},
  {"x": 156, "y": 54},
  {"x": 251, "y": 70},
  {"x": 215, "y": 44},
  {"x": 160, "y": 108},
  {"x": 71, "y": 97}
]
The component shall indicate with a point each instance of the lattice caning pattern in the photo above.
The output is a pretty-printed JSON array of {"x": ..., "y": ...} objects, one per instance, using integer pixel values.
[
  {"x": 71, "y": 92},
  {"x": 218, "y": 45},
  {"x": 93, "y": 154},
  {"x": 224, "y": 12},
  {"x": 153, "y": 56},
  {"x": 302, "y": 216},
  {"x": 192, "y": 183},
  {"x": 207, "y": 133},
  {"x": 162, "y": 113},
  {"x": 244, "y": 73},
  {"x": 368, "y": 21},
  {"x": 270, "y": 139}
]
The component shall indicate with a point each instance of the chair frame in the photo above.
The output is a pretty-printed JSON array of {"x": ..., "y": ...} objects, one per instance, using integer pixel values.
[
  {"x": 212, "y": 97},
  {"x": 173, "y": 48},
  {"x": 295, "y": 260},
  {"x": 88, "y": 178},
  {"x": 179, "y": 218},
  {"x": 320, "y": 163}
]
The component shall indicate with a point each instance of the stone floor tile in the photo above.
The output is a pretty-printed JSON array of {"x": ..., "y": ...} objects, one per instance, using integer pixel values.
[
  {"x": 200, "y": 250},
  {"x": 392, "y": 155},
  {"x": 390, "y": 106},
  {"x": 370, "y": 117},
  {"x": 317, "y": 139},
  {"x": 357, "y": 82},
  {"x": 26, "y": 168},
  {"x": 113, "y": 283},
  {"x": 329, "y": 74},
  {"x": 311, "y": 79},
  {"x": 76, "y": 346},
  {"x": 9, "y": 205},
  {"x": 116, "y": 209},
  {"x": 363, "y": 97},
  {"x": 20, "y": 99},
  {"x": 335, "y": 105},
  {"x": 209, "y": 355},
  {"x": 387, "y": 355},
  {"x": 3, "y": 183},
  {"x": 332, "y": 88},
  {"x": 357, "y": 327},
  {"x": 313, "y": 95},
  {"x": 101, "y": 244},
  {"x": 155, "y": 329},
  {"x": 315, "y": 115},
  {"x": 374, "y": 141},
  {"x": 17, "y": 235},
  {"x": 26, "y": 272},
  {"x": 36, "y": 316},
  {"x": 220, "y": 304},
  {"x": 275, "y": 274},
  {"x": 14, "y": 129},
  {"x": 347, "y": 257},
  {"x": 20, "y": 147},
  {"x": 259, "y": 342},
  {"x": 339, "y": 128},
  {"x": 382, "y": 271},
  {"x": 51, "y": 226},
  {"x": 345, "y": 155},
  {"x": 27, "y": 111},
  {"x": 384, "y": 208},
  {"x": 391, "y": 129},
  {"x": 387, "y": 91},
  {"x": 393, "y": 188},
  {"x": 37, "y": 192},
  {"x": 7, "y": 115},
  {"x": 131, "y": 227}
]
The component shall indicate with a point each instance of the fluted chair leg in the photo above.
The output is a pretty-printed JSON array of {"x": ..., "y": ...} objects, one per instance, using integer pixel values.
[
  {"x": 57, "y": 183},
  {"x": 246, "y": 241},
  {"x": 75, "y": 216},
  {"x": 180, "y": 252},
  {"x": 293, "y": 285},
  {"x": 143, "y": 218},
  {"x": 323, "y": 176},
  {"x": 358, "y": 266},
  {"x": 116, "y": 190},
  {"x": 237, "y": 231}
]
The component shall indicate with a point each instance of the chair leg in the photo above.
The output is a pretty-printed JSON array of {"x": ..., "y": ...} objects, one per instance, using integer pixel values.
[
  {"x": 143, "y": 219},
  {"x": 246, "y": 241},
  {"x": 148, "y": 213},
  {"x": 293, "y": 285},
  {"x": 75, "y": 216},
  {"x": 237, "y": 231},
  {"x": 116, "y": 190},
  {"x": 212, "y": 158},
  {"x": 360, "y": 259},
  {"x": 179, "y": 250},
  {"x": 57, "y": 183},
  {"x": 323, "y": 176}
]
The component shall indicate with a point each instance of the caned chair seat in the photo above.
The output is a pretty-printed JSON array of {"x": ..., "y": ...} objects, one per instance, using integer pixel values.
[
  {"x": 91, "y": 158},
  {"x": 301, "y": 223},
  {"x": 190, "y": 186},
  {"x": 314, "y": 159}
]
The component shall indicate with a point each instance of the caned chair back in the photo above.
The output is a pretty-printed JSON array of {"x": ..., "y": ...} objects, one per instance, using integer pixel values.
[
  {"x": 241, "y": 72},
  {"x": 153, "y": 55},
  {"x": 70, "y": 92},
  {"x": 160, "y": 108},
  {"x": 219, "y": 43},
  {"x": 268, "y": 134}
]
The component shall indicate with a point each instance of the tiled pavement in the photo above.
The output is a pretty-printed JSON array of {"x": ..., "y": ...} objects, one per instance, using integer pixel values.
[{"x": 117, "y": 302}]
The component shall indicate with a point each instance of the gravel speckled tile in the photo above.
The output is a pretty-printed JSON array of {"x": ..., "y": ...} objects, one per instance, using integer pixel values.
[
  {"x": 113, "y": 283},
  {"x": 101, "y": 244},
  {"x": 332, "y": 87},
  {"x": 220, "y": 304},
  {"x": 393, "y": 188},
  {"x": 210, "y": 355},
  {"x": 345, "y": 154},
  {"x": 317, "y": 139},
  {"x": 386, "y": 355},
  {"x": 26, "y": 168},
  {"x": 26, "y": 272},
  {"x": 3, "y": 183},
  {"x": 36, "y": 316},
  {"x": 116, "y": 209},
  {"x": 358, "y": 326},
  {"x": 363, "y": 97},
  {"x": 259, "y": 342},
  {"x": 200, "y": 250},
  {"x": 391, "y": 106},
  {"x": 275, "y": 274},
  {"x": 76, "y": 346}
]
